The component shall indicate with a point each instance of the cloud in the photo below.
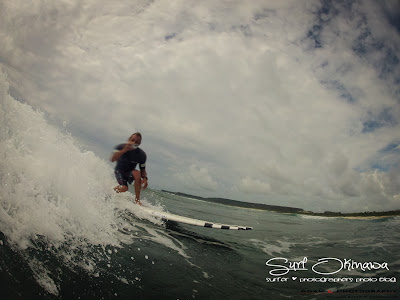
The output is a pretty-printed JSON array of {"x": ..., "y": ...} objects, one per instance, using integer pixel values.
[
  {"x": 283, "y": 103},
  {"x": 197, "y": 177},
  {"x": 248, "y": 185}
]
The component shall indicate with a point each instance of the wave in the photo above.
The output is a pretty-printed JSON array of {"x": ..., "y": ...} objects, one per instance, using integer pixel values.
[
  {"x": 310, "y": 217},
  {"x": 53, "y": 192},
  {"x": 272, "y": 247},
  {"x": 50, "y": 186},
  {"x": 56, "y": 199}
]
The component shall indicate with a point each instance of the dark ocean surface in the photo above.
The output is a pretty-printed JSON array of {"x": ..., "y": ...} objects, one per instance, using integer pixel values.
[{"x": 154, "y": 260}]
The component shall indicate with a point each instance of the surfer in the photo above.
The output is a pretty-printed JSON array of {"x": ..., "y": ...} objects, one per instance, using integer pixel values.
[{"x": 128, "y": 156}]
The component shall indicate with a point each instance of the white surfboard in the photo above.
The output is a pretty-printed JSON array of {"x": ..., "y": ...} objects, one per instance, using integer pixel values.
[{"x": 180, "y": 219}]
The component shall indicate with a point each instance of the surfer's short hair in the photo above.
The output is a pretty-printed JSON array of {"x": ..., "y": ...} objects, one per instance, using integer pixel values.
[{"x": 138, "y": 134}]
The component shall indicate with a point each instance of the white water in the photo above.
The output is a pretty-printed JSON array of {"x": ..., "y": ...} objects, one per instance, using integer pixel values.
[
  {"x": 49, "y": 186},
  {"x": 56, "y": 196}
]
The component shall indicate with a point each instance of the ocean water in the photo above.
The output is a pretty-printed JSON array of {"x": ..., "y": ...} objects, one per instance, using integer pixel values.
[{"x": 64, "y": 234}]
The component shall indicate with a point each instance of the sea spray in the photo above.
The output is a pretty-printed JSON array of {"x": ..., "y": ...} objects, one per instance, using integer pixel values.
[
  {"x": 50, "y": 187},
  {"x": 58, "y": 211},
  {"x": 54, "y": 196}
]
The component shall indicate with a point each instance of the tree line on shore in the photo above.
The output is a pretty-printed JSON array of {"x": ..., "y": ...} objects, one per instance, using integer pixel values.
[{"x": 285, "y": 209}]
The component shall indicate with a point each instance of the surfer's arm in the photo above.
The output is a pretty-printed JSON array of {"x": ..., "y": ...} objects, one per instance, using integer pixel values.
[
  {"x": 143, "y": 173},
  {"x": 118, "y": 153},
  {"x": 144, "y": 178},
  {"x": 115, "y": 155}
]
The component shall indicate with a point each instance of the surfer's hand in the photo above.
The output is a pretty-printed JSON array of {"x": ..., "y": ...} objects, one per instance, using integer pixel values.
[
  {"x": 144, "y": 183},
  {"x": 128, "y": 146}
]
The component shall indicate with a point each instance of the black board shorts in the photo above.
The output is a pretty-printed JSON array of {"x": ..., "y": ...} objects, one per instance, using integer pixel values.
[{"x": 124, "y": 178}]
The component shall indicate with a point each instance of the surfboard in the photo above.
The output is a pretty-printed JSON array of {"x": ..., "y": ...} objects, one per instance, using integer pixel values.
[{"x": 181, "y": 219}]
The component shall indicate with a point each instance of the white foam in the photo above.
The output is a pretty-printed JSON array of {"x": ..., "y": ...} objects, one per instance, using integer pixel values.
[
  {"x": 58, "y": 197},
  {"x": 50, "y": 187},
  {"x": 42, "y": 277},
  {"x": 270, "y": 247},
  {"x": 53, "y": 195},
  {"x": 311, "y": 217}
]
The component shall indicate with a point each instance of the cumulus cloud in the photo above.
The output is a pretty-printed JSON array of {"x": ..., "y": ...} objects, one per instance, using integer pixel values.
[
  {"x": 196, "y": 178},
  {"x": 289, "y": 102}
]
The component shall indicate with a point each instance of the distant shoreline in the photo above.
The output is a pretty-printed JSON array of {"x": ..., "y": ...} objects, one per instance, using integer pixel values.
[{"x": 291, "y": 210}]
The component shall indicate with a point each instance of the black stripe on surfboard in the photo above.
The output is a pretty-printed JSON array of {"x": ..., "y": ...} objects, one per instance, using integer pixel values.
[{"x": 211, "y": 225}]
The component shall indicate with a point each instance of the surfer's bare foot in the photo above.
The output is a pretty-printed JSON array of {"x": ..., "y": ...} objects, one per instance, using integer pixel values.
[
  {"x": 120, "y": 188},
  {"x": 138, "y": 201}
]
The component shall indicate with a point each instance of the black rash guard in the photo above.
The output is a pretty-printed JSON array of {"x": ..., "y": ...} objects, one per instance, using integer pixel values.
[{"x": 130, "y": 159}]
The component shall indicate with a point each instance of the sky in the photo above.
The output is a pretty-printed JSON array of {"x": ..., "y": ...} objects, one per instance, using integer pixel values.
[{"x": 292, "y": 103}]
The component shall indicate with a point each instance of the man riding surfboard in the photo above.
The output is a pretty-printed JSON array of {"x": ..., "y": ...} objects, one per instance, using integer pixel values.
[{"x": 128, "y": 156}]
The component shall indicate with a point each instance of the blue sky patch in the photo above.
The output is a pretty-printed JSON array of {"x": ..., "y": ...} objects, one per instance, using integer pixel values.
[
  {"x": 341, "y": 90},
  {"x": 323, "y": 18},
  {"x": 383, "y": 119},
  {"x": 170, "y": 36},
  {"x": 391, "y": 147}
]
